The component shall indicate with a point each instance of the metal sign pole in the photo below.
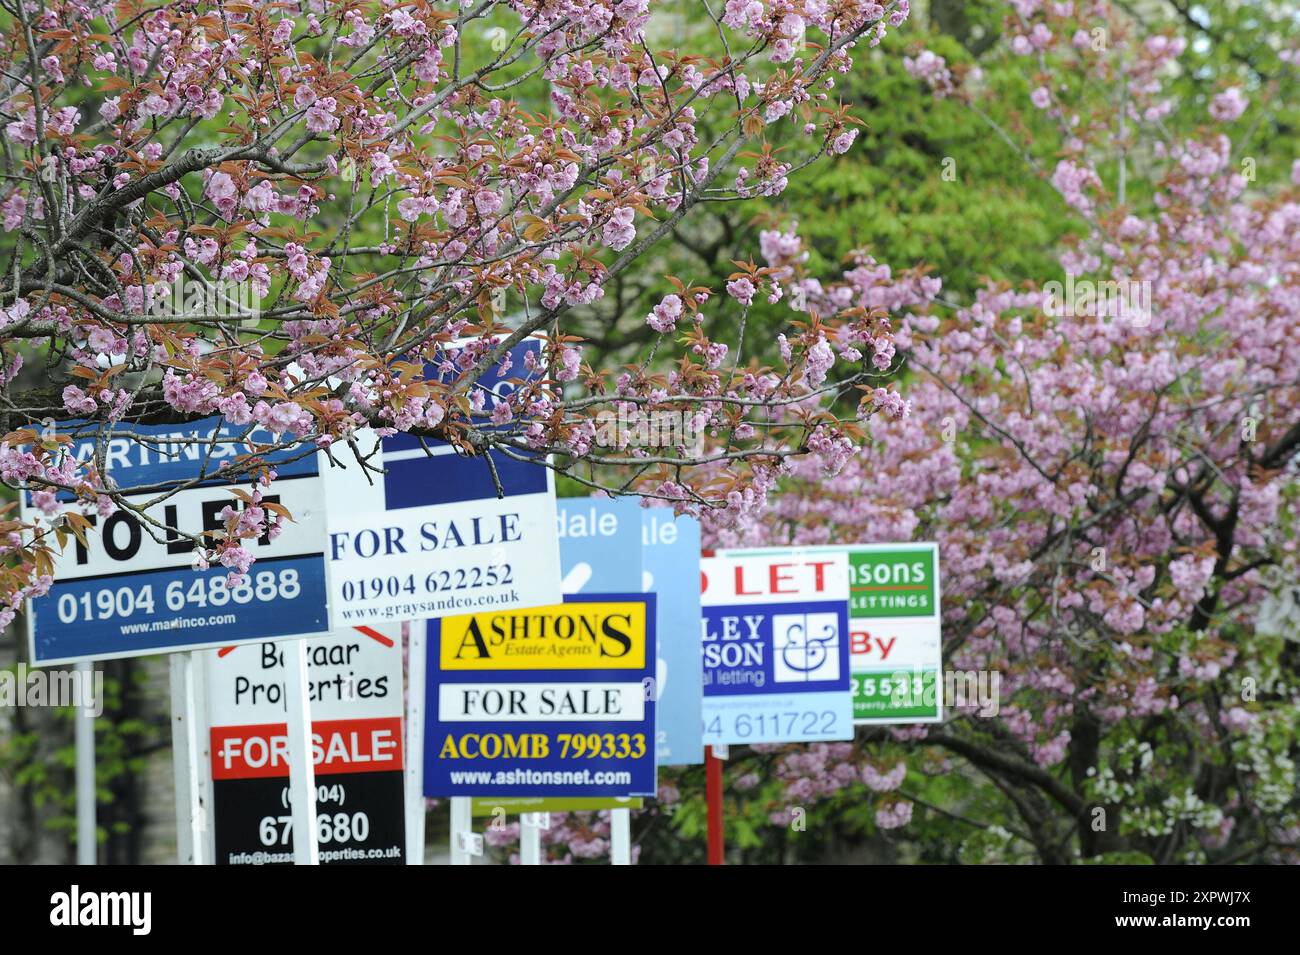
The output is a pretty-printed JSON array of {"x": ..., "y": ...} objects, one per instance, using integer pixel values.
[{"x": 713, "y": 793}]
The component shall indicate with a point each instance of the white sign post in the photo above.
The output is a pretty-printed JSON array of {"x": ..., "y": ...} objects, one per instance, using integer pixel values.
[
  {"x": 415, "y": 814},
  {"x": 302, "y": 772},
  {"x": 465, "y": 842},
  {"x": 620, "y": 837},
  {"x": 189, "y": 758},
  {"x": 531, "y": 825},
  {"x": 87, "y": 839}
]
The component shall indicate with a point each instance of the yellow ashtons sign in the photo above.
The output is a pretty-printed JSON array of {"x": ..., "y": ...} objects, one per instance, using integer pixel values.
[{"x": 572, "y": 636}]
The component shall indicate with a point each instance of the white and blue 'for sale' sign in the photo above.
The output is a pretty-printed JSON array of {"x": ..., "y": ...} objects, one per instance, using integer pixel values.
[
  {"x": 430, "y": 537},
  {"x": 774, "y": 631}
]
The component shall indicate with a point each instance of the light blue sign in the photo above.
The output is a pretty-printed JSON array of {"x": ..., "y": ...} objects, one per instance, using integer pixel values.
[
  {"x": 670, "y": 561},
  {"x": 600, "y": 545}
]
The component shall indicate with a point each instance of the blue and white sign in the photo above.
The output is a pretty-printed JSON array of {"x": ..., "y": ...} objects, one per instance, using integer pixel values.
[
  {"x": 670, "y": 567},
  {"x": 600, "y": 545},
  {"x": 131, "y": 589},
  {"x": 776, "y": 651},
  {"x": 430, "y": 538},
  {"x": 543, "y": 701}
]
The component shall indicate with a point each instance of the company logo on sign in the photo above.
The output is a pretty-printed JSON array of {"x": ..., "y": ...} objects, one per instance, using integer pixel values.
[
  {"x": 564, "y": 636},
  {"x": 807, "y": 647},
  {"x": 891, "y": 584}
]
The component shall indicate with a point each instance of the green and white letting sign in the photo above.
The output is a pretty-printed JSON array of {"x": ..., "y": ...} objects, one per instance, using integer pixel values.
[
  {"x": 895, "y": 637},
  {"x": 894, "y": 581}
]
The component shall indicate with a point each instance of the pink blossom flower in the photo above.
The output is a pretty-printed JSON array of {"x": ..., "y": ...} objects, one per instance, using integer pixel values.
[
  {"x": 894, "y": 815},
  {"x": 1229, "y": 105},
  {"x": 221, "y": 190},
  {"x": 841, "y": 143},
  {"x": 664, "y": 317},
  {"x": 742, "y": 290},
  {"x": 570, "y": 362},
  {"x": 487, "y": 202},
  {"x": 321, "y": 116},
  {"x": 78, "y": 402},
  {"x": 619, "y": 231}
]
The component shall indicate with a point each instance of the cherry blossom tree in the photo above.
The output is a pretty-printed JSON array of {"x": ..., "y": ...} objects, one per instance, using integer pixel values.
[
  {"x": 285, "y": 214},
  {"x": 1109, "y": 464},
  {"x": 1108, "y": 459}
]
